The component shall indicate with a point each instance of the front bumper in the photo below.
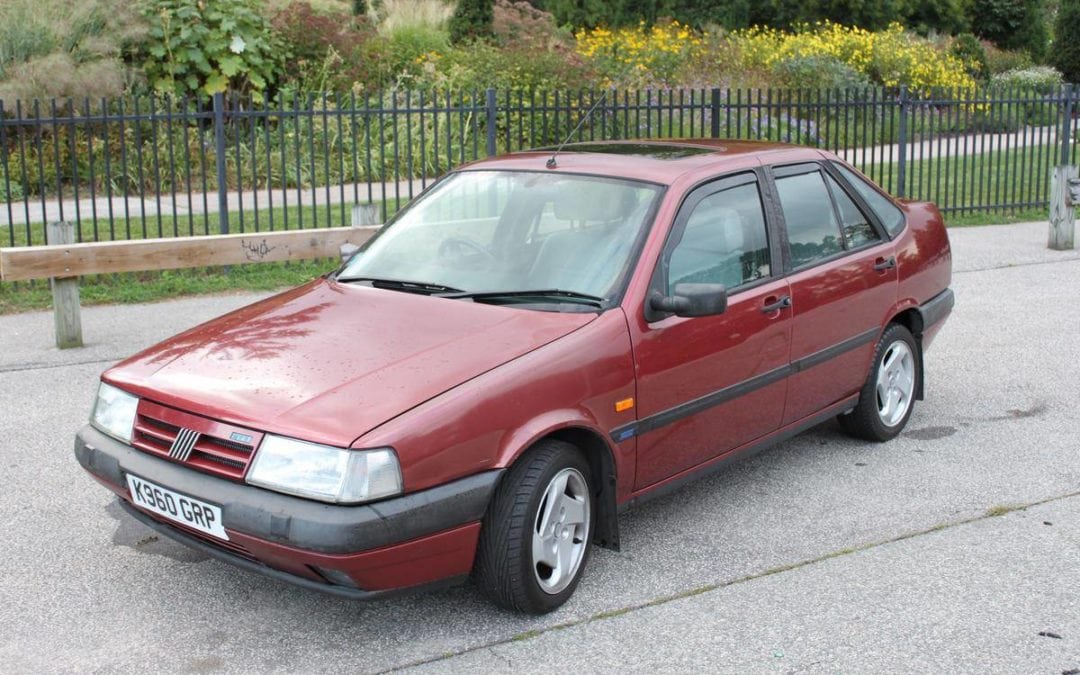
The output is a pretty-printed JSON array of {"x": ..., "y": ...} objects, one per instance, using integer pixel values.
[{"x": 413, "y": 540}]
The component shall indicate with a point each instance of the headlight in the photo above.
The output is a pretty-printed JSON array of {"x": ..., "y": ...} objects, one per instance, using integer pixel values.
[
  {"x": 325, "y": 473},
  {"x": 114, "y": 412}
]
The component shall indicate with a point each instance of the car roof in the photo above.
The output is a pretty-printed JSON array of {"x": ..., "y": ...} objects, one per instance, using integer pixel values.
[{"x": 657, "y": 161}]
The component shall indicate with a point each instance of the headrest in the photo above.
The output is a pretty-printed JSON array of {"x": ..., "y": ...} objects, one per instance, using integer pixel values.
[{"x": 731, "y": 225}]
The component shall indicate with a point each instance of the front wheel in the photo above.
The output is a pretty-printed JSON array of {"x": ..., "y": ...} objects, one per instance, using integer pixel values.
[
  {"x": 888, "y": 397},
  {"x": 535, "y": 538}
]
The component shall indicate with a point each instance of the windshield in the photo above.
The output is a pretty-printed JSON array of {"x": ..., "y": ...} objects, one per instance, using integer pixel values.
[{"x": 485, "y": 232}]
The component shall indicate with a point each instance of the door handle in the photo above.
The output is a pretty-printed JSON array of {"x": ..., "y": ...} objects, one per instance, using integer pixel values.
[
  {"x": 882, "y": 264},
  {"x": 777, "y": 305}
]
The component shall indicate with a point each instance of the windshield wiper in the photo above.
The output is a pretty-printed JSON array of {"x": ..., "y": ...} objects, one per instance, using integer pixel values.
[
  {"x": 555, "y": 294},
  {"x": 402, "y": 285}
]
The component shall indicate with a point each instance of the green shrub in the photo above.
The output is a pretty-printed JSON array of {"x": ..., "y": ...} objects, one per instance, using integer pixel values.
[
  {"x": 9, "y": 192},
  {"x": 730, "y": 14},
  {"x": 410, "y": 35},
  {"x": 517, "y": 69},
  {"x": 1067, "y": 40},
  {"x": 588, "y": 13},
  {"x": 1042, "y": 80},
  {"x": 1004, "y": 60},
  {"x": 402, "y": 56},
  {"x": 967, "y": 48},
  {"x": 204, "y": 47},
  {"x": 819, "y": 72},
  {"x": 471, "y": 20},
  {"x": 869, "y": 14},
  {"x": 326, "y": 50},
  {"x": 1012, "y": 24}
]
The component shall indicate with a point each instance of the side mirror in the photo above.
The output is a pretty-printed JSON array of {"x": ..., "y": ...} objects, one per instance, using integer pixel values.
[{"x": 692, "y": 300}]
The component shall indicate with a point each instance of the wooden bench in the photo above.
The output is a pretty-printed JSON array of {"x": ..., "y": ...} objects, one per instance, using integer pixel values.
[{"x": 63, "y": 261}]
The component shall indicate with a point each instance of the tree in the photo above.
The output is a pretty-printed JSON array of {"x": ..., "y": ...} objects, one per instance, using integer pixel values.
[
  {"x": 869, "y": 14},
  {"x": 730, "y": 14},
  {"x": 1012, "y": 24},
  {"x": 1067, "y": 41},
  {"x": 472, "y": 19},
  {"x": 941, "y": 16},
  {"x": 972, "y": 54}
]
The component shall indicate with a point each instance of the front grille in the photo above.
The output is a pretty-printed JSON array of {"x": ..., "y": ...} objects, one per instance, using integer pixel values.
[{"x": 167, "y": 433}]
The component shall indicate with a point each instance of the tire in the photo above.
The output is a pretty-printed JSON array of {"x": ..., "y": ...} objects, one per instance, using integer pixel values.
[
  {"x": 512, "y": 569},
  {"x": 895, "y": 374}
]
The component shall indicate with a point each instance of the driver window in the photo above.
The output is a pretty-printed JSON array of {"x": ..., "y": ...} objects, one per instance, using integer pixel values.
[{"x": 724, "y": 241}]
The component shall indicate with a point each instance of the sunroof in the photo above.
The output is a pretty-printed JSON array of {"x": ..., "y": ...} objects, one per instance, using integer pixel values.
[{"x": 651, "y": 150}]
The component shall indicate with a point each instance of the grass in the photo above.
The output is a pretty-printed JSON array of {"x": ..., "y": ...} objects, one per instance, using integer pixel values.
[
  {"x": 1018, "y": 176},
  {"x": 1003, "y": 509},
  {"x": 56, "y": 48},
  {"x": 395, "y": 15},
  {"x": 984, "y": 218},
  {"x": 155, "y": 286}
]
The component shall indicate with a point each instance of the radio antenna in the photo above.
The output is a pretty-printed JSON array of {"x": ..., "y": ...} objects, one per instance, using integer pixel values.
[{"x": 551, "y": 164}]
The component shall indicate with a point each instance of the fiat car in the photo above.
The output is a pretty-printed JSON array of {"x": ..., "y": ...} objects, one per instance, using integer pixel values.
[{"x": 536, "y": 343}]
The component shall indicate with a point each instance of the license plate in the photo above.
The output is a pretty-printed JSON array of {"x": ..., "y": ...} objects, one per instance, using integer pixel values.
[{"x": 177, "y": 507}]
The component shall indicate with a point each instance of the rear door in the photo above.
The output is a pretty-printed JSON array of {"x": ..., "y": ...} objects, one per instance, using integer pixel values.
[
  {"x": 843, "y": 280},
  {"x": 707, "y": 385}
]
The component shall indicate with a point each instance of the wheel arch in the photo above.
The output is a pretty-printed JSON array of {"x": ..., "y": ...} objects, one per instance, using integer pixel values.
[
  {"x": 600, "y": 455},
  {"x": 912, "y": 319},
  {"x": 602, "y": 466}
]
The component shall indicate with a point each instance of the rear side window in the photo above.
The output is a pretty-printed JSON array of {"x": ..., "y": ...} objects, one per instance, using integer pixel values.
[
  {"x": 887, "y": 212},
  {"x": 854, "y": 225},
  {"x": 724, "y": 241},
  {"x": 813, "y": 232}
]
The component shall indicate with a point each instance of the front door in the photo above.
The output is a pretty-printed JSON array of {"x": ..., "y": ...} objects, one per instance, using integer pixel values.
[{"x": 708, "y": 385}]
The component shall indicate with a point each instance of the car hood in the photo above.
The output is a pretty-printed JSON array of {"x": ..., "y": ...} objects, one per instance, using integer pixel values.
[{"x": 328, "y": 362}]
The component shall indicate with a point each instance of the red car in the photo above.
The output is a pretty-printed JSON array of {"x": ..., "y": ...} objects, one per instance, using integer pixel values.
[{"x": 535, "y": 344}]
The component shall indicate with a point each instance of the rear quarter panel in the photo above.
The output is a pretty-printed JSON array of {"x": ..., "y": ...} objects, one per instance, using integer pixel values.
[{"x": 923, "y": 256}]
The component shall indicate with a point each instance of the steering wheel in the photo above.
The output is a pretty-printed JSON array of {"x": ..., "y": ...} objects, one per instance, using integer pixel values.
[{"x": 454, "y": 247}]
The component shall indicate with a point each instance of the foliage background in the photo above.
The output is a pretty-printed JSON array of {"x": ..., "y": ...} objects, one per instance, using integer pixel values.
[{"x": 59, "y": 48}]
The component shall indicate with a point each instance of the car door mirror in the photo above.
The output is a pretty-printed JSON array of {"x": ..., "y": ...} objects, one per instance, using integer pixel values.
[{"x": 691, "y": 300}]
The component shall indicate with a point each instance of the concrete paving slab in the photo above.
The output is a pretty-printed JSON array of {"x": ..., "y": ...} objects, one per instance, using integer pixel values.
[{"x": 995, "y": 595}]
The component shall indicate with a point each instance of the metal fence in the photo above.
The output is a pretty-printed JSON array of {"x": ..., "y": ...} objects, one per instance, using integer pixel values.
[{"x": 151, "y": 167}]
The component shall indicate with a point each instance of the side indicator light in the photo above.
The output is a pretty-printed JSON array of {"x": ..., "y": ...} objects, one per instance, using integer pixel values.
[{"x": 624, "y": 405}]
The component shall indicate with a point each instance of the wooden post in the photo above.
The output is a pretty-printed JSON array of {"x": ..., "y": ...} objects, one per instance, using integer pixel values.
[
  {"x": 1064, "y": 189},
  {"x": 65, "y": 292},
  {"x": 363, "y": 215}
]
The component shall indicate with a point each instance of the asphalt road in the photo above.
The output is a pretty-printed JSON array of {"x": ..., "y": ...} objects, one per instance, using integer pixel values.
[{"x": 953, "y": 548}]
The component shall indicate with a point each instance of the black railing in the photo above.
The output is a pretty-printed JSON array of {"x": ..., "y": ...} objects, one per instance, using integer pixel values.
[{"x": 151, "y": 167}]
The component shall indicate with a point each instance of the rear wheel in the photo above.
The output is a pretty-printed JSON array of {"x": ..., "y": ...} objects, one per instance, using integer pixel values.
[
  {"x": 888, "y": 397},
  {"x": 535, "y": 538}
]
